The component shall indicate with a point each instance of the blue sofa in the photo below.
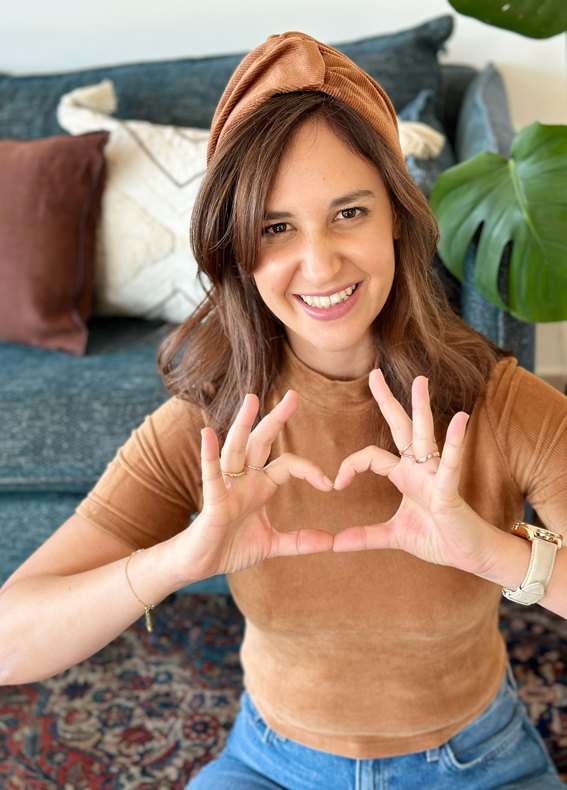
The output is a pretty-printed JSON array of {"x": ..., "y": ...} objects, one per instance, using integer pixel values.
[{"x": 62, "y": 418}]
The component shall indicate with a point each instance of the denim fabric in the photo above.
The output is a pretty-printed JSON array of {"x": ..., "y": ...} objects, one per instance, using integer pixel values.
[
  {"x": 499, "y": 749},
  {"x": 186, "y": 92}
]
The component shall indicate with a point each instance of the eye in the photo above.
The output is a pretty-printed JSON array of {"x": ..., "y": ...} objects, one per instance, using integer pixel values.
[
  {"x": 349, "y": 212},
  {"x": 276, "y": 229}
]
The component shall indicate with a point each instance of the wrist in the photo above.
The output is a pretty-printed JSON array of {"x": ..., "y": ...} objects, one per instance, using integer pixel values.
[
  {"x": 507, "y": 559},
  {"x": 175, "y": 565},
  {"x": 150, "y": 575}
]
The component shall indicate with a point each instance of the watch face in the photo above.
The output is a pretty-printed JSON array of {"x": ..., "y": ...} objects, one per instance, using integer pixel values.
[{"x": 529, "y": 531}]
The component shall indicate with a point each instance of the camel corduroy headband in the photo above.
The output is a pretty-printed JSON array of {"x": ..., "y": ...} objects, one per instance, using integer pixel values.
[{"x": 297, "y": 62}]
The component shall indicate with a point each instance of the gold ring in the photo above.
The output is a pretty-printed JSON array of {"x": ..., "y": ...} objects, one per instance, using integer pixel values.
[
  {"x": 257, "y": 468},
  {"x": 426, "y": 457},
  {"x": 234, "y": 474},
  {"x": 403, "y": 454}
]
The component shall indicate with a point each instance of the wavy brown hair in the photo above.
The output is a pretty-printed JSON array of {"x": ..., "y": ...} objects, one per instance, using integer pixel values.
[{"x": 233, "y": 344}]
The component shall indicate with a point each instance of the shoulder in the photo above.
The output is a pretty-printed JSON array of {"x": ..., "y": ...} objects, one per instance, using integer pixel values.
[
  {"x": 512, "y": 392},
  {"x": 509, "y": 382},
  {"x": 172, "y": 431}
]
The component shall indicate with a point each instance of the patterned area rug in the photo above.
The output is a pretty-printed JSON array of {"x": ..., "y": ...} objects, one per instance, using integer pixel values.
[{"x": 149, "y": 710}]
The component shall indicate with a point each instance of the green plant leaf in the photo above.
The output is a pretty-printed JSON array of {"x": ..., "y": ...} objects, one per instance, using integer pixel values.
[
  {"x": 533, "y": 18},
  {"x": 523, "y": 201}
]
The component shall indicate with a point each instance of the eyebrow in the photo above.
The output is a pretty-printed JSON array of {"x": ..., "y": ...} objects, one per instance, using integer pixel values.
[{"x": 349, "y": 197}]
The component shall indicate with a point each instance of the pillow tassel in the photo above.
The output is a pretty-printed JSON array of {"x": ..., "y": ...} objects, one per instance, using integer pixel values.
[{"x": 420, "y": 140}]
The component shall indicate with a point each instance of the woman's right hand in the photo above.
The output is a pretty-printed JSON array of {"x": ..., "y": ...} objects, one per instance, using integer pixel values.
[{"x": 233, "y": 531}]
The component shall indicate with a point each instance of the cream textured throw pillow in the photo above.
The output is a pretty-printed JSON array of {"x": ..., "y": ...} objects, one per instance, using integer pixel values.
[{"x": 143, "y": 265}]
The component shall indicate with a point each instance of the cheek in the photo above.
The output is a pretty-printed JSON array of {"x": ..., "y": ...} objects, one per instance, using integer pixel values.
[{"x": 272, "y": 277}]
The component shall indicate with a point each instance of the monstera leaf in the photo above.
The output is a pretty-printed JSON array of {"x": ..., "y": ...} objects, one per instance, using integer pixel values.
[
  {"x": 533, "y": 18},
  {"x": 522, "y": 201}
]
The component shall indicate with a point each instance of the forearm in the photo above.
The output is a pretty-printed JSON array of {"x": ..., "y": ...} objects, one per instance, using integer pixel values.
[
  {"x": 510, "y": 560},
  {"x": 49, "y": 623}
]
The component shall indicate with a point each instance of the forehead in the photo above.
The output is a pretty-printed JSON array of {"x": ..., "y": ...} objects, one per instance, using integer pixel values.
[{"x": 316, "y": 161}]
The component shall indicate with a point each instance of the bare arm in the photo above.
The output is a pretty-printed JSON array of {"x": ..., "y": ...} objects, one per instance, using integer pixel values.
[{"x": 71, "y": 598}]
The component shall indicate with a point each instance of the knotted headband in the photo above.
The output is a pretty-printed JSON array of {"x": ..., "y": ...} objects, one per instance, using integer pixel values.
[{"x": 297, "y": 62}]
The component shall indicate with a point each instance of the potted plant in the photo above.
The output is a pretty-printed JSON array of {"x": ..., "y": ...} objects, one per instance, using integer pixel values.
[{"x": 516, "y": 208}]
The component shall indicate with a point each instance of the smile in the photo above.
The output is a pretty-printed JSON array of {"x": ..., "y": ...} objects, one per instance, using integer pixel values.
[
  {"x": 330, "y": 306},
  {"x": 324, "y": 302}
]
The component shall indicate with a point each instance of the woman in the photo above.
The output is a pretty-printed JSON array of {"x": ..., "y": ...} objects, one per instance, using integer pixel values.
[{"x": 366, "y": 548}]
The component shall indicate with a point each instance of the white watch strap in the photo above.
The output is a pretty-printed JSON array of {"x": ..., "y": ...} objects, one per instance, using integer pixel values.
[{"x": 542, "y": 560}]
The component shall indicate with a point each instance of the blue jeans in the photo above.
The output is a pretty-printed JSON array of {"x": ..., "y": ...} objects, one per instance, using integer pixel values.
[{"x": 499, "y": 749}]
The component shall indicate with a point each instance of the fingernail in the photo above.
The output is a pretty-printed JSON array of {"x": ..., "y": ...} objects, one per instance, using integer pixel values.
[{"x": 327, "y": 481}]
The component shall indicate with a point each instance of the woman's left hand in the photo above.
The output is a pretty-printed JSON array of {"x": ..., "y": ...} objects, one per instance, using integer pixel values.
[{"x": 433, "y": 522}]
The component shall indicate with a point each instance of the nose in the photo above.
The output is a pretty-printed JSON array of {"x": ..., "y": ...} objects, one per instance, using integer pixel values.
[{"x": 321, "y": 259}]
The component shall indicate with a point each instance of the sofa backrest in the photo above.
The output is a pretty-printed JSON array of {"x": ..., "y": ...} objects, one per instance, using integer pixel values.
[{"x": 186, "y": 92}]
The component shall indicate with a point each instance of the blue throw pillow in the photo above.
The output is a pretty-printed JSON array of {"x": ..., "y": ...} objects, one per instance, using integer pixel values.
[
  {"x": 484, "y": 122},
  {"x": 186, "y": 92},
  {"x": 425, "y": 172}
]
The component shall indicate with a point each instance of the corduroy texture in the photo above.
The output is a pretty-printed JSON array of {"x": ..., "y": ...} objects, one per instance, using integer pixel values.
[
  {"x": 49, "y": 196},
  {"x": 297, "y": 62},
  {"x": 363, "y": 654}
]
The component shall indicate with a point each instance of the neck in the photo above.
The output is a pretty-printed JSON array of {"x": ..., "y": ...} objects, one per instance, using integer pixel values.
[{"x": 346, "y": 364}]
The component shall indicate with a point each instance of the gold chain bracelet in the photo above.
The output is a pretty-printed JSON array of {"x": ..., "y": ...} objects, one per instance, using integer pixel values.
[{"x": 146, "y": 607}]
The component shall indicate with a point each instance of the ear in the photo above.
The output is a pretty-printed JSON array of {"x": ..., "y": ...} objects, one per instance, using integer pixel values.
[{"x": 396, "y": 231}]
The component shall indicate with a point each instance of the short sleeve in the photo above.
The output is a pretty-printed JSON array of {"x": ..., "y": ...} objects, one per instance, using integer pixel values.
[
  {"x": 151, "y": 488},
  {"x": 528, "y": 418}
]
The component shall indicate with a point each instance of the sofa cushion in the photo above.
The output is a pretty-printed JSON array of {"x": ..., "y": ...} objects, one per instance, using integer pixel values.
[
  {"x": 62, "y": 418},
  {"x": 186, "y": 92},
  {"x": 49, "y": 197},
  {"x": 484, "y": 122},
  {"x": 144, "y": 265},
  {"x": 425, "y": 172}
]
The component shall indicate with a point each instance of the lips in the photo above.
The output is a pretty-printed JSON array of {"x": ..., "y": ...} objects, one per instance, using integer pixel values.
[{"x": 334, "y": 311}]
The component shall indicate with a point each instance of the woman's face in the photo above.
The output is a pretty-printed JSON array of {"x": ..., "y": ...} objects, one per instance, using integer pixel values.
[{"x": 326, "y": 261}]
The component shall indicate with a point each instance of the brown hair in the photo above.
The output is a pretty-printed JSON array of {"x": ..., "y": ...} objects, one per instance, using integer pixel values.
[{"x": 233, "y": 344}]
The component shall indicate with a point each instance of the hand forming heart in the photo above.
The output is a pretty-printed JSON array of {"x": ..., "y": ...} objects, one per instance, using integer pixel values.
[
  {"x": 433, "y": 522},
  {"x": 233, "y": 531}
]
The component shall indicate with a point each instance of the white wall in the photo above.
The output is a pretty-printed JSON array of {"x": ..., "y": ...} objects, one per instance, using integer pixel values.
[{"x": 61, "y": 35}]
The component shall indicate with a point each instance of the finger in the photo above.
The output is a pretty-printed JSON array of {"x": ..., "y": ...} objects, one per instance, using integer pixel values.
[
  {"x": 289, "y": 465},
  {"x": 423, "y": 437},
  {"x": 448, "y": 474},
  {"x": 233, "y": 452},
  {"x": 374, "y": 458},
  {"x": 300, "y": 541},
  {"x": 214, "y": 490},
  {"x": 376, "y": 536},
  {"x": 393, "y": 411},
  {"x": 264, "y": 434}
]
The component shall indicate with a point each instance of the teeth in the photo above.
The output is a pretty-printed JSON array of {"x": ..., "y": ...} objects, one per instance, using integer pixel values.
[{"x": 329, "y": 301}]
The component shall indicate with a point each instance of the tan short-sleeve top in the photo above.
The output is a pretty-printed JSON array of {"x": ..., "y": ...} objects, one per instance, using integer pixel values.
[{"x": 364, "y": 654}]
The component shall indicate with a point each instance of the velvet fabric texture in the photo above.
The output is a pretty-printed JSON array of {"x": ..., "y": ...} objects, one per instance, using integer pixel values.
[
  {"x": 297, "y": 62},
  {"x": 363, "y": 654},
  {"x": 49, "y": 195}
]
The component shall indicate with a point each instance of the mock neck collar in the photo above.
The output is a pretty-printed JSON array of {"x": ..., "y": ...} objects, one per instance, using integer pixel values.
[{"x": 337, "y": 396}]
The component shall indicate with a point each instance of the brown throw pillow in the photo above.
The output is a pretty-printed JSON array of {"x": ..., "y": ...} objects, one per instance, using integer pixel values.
[{"x": 50, "y": 191}]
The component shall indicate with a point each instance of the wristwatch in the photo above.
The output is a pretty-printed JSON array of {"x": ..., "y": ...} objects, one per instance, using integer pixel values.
[{"x": 544, "y": 548}]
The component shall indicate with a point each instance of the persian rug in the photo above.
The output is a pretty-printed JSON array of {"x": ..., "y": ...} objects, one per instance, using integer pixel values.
[{"x": 149, "y": 710}]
